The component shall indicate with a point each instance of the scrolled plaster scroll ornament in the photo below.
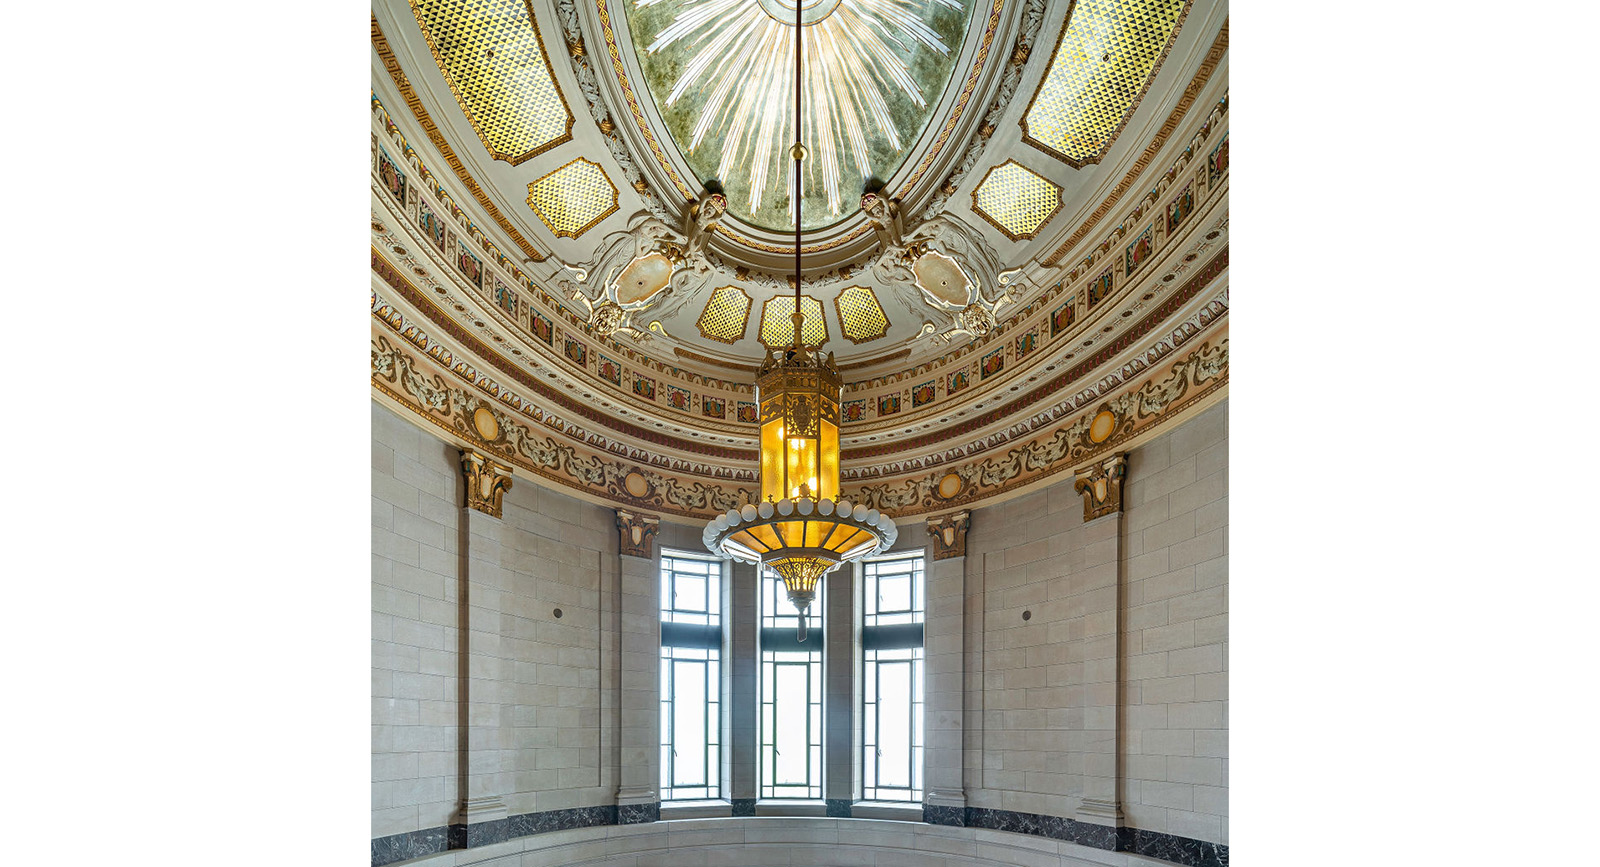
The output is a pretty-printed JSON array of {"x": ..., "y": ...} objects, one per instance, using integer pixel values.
[
  {"x": 649, "y": 266},
  {"x": 1109, "y": 425},
  {"x": 953, "y": 270},
  {"x": 401, "y": 376}
]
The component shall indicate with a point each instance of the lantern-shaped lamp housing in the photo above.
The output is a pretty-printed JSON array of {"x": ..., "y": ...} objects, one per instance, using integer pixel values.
[
  {"x": 799, "y": 397},
  {"x": 801, "y": 529}
]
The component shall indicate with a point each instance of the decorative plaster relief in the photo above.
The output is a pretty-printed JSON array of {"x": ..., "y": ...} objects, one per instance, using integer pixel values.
[
  {"x": 403, "y": 84},
  {"x": 1193, "y": 378},
  {"x": 1101, "y": 483},
  {"x": 949, "y": 534},
  {"x": 487, "y": 482},
  {"x": 415, "y": 385},
  {"x": 636, "y": 532}
]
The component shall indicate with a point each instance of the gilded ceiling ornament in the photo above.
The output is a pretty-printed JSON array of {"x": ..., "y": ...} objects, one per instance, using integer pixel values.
[
  {"x": 958, "y": 274},
  {"x": 949, "y": 534},
  {"x": 487, "y": 482},
  {"x": 1101, "y": 486},
  {"x": 1198, "y": 375},
  {"x": 636, "y": 533},
  {"x": 648, "y": 266},
  {"x": 574, "y": 198},
  {"x": 492, "y": 55},
  {"x": 1015, "y": 200}
]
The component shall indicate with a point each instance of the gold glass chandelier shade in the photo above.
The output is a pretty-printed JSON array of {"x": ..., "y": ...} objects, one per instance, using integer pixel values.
[
  {"x": 800, "y": 529},
  {"x": 799, "y": 397}
]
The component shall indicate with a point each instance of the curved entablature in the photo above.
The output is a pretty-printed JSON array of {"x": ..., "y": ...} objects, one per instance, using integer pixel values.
[{"x": 1109, "y": 288}]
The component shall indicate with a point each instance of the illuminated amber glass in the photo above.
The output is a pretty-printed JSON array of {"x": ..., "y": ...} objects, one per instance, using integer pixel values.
[{"x": 799, "y": 431}]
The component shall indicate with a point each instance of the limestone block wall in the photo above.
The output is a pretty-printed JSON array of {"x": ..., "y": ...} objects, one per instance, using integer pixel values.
[
  {"x": 560, "y": 554},
  {"x": 416, "y": 523},
  {"x": 539, "y": 731},
  {"x": 1176, "y": 619},
  {"x": 1096, "y": 653}
]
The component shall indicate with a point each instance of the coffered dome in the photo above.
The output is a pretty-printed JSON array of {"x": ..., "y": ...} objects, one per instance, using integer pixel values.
[{"x": 1043, "y": 235}]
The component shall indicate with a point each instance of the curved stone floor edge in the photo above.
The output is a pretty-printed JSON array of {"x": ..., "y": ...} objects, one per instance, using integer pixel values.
[{"x": 457, "y": 838}]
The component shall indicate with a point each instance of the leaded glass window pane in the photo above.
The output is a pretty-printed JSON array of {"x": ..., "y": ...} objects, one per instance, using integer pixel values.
[
  {"x": 691, "y": 678},
  {"x": 892, "y": 678}
]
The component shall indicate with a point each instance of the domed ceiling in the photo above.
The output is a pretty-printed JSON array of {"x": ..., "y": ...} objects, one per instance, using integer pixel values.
[
  {"x": 553, "y": 280},
  {"x": 722, "y": 72}
]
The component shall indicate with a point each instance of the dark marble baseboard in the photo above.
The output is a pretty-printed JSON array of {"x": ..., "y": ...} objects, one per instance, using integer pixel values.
[
  {"x": 411, "y": 844},
  {"x": 1180, "y": 850},
  {"x": 1151, "y": 844},
  {"x": 415, "y": 844},
  {"x": 635, "y": 814},
  {"x": 934, "y": 815}
]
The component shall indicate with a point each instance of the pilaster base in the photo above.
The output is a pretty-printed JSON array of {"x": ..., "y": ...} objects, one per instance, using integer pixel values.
[
  {"x": 480, "y": 822},
  {"x": 945, "y": 808},
  {"x": 637, "y": 806},
  {"x": 1100, "y": 811}
]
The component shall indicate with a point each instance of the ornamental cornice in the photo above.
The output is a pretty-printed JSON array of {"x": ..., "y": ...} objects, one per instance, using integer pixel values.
[
  {"x": 413, "y": 382},
  {"x": 1133, "y": 416},
  {"x": 1072, "y": 283},
  {"x": 861, "y": 465},
  {"x": 1182, "y": 333},
  {"x": 554, "y": 410},
  {"x": 418, "y": 382},
  {"x": 386, "y": 131},
  {"x": 1048, "y": 390},
  {"x": 686, "y": 408}
]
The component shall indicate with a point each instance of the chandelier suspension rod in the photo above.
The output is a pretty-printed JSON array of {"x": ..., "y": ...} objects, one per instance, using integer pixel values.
[{"x": 797, "y": 153}]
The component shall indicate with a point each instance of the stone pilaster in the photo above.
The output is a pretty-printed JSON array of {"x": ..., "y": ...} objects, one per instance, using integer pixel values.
[
  {"x": 944, "y": 633},
  {"x": 840, "y": 760},
  {"x": 1101, "y": 650},
  {"x": 487, "y": 763},
  {"x": 636, "y": 533},
  {"x": 744, "y": 712},
  {"x": 1101, "y": 486},
  {"x": 638, "y": 796}
]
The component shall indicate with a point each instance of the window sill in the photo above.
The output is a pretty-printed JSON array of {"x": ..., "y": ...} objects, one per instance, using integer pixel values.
[
  {"x": 791, "y": 807},
  {"x": 696, "y": 809},
  {"x": 897, "y": 810}
]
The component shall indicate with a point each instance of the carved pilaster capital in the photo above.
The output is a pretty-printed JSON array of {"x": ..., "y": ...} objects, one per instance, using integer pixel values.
[
  {"x": 487, "y": 481},
  {"x": 636, "y": 533},
  {"x": 949, "y": 534},
  {"x": 1101, "y": 486}
]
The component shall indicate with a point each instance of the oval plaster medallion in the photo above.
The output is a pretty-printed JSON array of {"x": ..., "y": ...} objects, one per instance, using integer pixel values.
[
  {"x": 1100, "y": 429},
  {"x": 483, "y": 421}
]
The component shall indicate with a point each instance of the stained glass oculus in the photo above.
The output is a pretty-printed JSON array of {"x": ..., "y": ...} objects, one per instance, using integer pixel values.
[{"x": 874, "y": 69}]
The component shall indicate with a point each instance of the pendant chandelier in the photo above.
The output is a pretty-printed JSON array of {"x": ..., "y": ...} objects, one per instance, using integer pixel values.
[{"x": 801, "y": 529}]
